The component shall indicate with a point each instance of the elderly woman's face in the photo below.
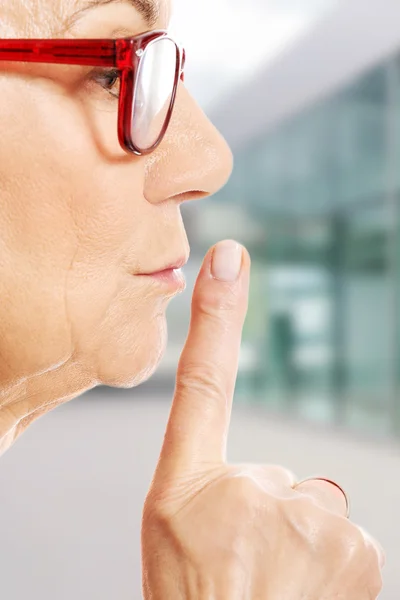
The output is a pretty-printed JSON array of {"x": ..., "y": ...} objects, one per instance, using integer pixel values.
[{"x": 80, "y": 220}]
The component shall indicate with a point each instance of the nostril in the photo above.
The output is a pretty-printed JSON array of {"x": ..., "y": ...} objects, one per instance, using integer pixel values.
[{"x": 192, "y": 195}]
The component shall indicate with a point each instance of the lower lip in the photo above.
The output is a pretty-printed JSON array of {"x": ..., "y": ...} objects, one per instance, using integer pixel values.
[{"x": 171, "y": 278}]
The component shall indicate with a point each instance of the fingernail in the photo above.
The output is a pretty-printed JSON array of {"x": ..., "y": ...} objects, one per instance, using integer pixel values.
[{"x": 227, "y": 261}]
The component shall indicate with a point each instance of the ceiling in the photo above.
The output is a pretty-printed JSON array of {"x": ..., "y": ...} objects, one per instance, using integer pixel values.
[{"x": 228, "y": 40}]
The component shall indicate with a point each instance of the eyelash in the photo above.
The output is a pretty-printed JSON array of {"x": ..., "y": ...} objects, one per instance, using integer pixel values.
[{"x": 113, "y": 75}]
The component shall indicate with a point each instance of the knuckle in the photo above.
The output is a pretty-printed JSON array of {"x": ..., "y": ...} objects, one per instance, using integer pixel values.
[
  {"x": 372, "y": 562},
  {"x": 370, "y": 573},
  {"x": 212, "y": 301},
  {"x": 246, "y": 489},
  {"x": 326, "y": 528},
  {"x": 348, "y": 541},
  {"x": 202, "y": 377},
  {"x": 280, "y": 475},
  {"x": 305, "y": 518},
  {"x": 245, "y": 496},
  {"x": 356, "y": 552},
  {"x": 336, "y": 539},
  {"x": 357, "y": 546},
  {"x": 375, "y": 547},
  {"x": 160, "y": 522},
  {"x": 155, "y": 514},
  {"x": 375, "y": 583}
]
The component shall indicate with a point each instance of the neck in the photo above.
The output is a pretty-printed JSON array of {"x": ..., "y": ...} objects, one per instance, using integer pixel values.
[{"x": 23, "y": 402}]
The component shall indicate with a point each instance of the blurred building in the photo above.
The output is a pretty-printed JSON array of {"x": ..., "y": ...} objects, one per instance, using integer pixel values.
[{"x": 315, "y": 197}]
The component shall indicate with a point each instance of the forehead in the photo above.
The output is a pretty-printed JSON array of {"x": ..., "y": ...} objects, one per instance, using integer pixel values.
[
  {"x": 44, "y": 17},
  {"x": 152, "y": 11}
]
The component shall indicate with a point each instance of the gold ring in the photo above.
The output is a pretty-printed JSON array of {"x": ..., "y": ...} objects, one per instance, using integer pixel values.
[{"x": 346, "y": 497}]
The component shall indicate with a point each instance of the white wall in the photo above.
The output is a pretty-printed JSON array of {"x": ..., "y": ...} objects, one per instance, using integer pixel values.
[{"x": 351, "y": 38}]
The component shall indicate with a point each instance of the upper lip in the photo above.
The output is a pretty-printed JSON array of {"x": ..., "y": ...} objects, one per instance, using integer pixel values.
[{"x": 174, "y": 264}]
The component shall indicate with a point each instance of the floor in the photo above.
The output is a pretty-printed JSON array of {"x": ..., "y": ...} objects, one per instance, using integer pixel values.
[{"x": 73, "y": 486}]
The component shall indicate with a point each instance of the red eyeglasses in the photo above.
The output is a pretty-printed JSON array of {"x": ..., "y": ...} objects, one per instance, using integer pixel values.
[{"x": 150, "y": 67}]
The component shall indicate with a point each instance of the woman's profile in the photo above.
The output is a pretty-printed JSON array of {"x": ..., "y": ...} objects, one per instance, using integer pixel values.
[{"x": 101, "y": 144}]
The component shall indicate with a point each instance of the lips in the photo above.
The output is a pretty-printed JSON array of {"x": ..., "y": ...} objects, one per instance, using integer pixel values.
[{"x": 174, "y": 265}]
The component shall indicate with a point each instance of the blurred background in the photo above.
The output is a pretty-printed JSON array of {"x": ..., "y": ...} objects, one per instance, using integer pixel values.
[{"x": 307, "y": 92}]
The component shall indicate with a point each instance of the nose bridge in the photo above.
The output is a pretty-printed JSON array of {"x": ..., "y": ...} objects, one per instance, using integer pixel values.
[{"x": 193, "y": 157}]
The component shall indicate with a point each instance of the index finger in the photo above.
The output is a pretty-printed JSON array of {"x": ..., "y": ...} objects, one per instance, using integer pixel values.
[{"x": 199, "y": 420}]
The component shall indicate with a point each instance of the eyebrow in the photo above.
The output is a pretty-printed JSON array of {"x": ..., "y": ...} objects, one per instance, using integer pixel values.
[{"x": 148, "y": 9}]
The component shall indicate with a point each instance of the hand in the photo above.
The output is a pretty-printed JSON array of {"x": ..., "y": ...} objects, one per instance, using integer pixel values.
[{"x": 213, "y": 531}]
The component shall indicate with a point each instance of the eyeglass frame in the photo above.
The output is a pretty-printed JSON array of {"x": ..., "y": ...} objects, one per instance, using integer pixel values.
[{"x": 124, "y": 54}]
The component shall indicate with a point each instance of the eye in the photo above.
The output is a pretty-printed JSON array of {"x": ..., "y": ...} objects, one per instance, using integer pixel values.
[{"x": 108, "y": 79}]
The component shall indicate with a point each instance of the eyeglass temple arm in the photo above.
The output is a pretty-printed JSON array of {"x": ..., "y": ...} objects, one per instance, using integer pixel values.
[{"x": 72, "y": 52}]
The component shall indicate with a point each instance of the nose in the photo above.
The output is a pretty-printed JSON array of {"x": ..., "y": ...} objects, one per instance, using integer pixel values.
[{"x": 193, "y": 160}]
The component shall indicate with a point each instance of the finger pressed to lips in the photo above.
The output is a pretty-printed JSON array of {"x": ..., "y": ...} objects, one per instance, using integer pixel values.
[{"x": 199, "y": 420}]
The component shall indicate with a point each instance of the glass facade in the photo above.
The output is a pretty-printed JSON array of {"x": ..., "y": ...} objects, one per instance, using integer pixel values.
[{"x": 316, "y": 202}]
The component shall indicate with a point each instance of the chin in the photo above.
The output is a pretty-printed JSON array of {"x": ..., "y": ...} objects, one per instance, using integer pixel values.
[{"x": 131, "y": 358}]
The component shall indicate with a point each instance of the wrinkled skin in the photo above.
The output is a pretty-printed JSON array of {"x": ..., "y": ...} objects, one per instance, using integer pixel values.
[
  {"x": 213, "y": 531},
  {"x": 79, "y": 218},
  {"x": 79, "y": 222}
]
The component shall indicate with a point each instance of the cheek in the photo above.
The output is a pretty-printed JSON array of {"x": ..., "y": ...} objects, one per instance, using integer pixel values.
[
  {"x": 119, "y": 328},
  {"x": 34, "y": 329},
  {"x": 62, "y": 201},
  {"x": 131, "y": 340},
  {"x": 71, "y": 224},
  {"x": 119, "y": 322}
]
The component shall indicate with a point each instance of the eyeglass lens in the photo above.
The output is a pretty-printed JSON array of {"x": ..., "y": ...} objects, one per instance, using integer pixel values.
[{"x": 153, "y": 94}]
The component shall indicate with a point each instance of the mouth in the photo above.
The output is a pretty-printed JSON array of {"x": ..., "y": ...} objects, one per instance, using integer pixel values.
[{"x": 170, "y": 275}]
